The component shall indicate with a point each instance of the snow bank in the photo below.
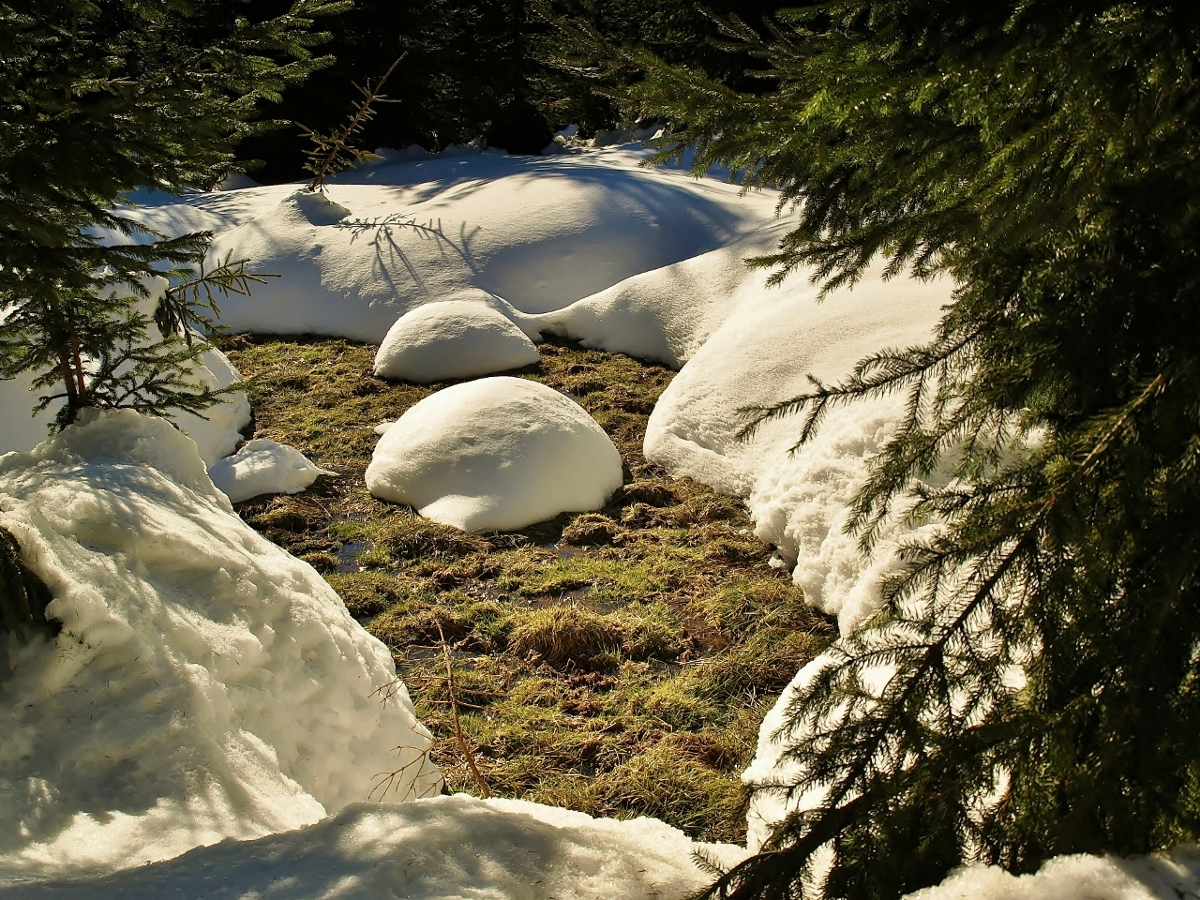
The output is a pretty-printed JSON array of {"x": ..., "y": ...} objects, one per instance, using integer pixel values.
[
  {"x": 764, "y": 354},
  {"x": 262, "y": 466},
  {"x": 494, "y": 455},
  {"x": 1174, "y": 876},
  {"x": 1166, "y": 877},
  {"x": 438, "y": 849},
  {"x": 216, "y": 432},
  {"x": 539, "y": 232},
  {"x": 205, "y": 684},
  {"x": 457, "y": 338}
]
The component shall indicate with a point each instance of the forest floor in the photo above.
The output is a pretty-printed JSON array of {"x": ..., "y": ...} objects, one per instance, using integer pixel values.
[{"x": 616, "y": 662}]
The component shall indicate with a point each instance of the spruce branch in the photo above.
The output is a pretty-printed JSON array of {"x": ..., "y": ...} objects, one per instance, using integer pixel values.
[{"x": 334, "y": 153}]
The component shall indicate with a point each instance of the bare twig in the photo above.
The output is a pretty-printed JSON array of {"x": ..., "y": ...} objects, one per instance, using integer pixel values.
[{"x": 458, "y": 732}]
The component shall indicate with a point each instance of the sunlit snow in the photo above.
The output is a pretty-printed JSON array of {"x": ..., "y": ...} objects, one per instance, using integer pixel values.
[{"x": 206, "y": 685}]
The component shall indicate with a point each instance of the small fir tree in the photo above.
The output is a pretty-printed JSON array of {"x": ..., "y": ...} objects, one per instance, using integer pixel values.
[
  {"x": 102, "y": 97},
  {"x": 1044, "y": 154}
]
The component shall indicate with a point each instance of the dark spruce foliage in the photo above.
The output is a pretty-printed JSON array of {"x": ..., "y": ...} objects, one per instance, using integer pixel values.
[
  {"x": 1046, "y": 156},
  {"x": 101, "y": 97}
]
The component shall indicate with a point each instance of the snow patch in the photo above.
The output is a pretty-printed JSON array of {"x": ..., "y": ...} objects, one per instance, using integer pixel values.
[
  {"x": 436, "y": 849},
  {"x": 452, "y": 339},
  {"x": 205, "y": 683},
  {"x": 263, "y": 466},
  {"x": 494, "y": 455}
]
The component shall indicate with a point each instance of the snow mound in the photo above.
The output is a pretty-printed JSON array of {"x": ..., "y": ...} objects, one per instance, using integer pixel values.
[
  {"x": 262, "y": 466},
  {"x": 540, "y": 232},
  {"x": 1165, "y": 877},
  {"x": 452, "y": 339},
  {"x": 1168, "y": 877},
  {"x": 205, "y": 683},
  {"x": 437, "y": 849},
  {"x": 762, "y": 353},
  {"x": 494, "y": 455}
]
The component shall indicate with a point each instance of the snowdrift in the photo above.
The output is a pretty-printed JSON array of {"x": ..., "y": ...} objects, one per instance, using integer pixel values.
[
  {"x": 495, "y": 454},
  {"x": 539, "y": 232},
  {"x": 205, "y": 684},
  {"x": 438, "y": 849},
  {"x": 457, "y": 338}
]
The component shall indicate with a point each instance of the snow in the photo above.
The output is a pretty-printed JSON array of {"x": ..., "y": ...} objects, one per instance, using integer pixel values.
[
  {"x": 209, "y": 686},
  {"x": 539, "y": 232},
  {"x": 1173, "y": 876},
  {"x": 263, "y": 466},
  {"x": 437, "y": 849},
  {"x": 205, "y": 684},
  {"x": 456, "y": 338},
  {"x": 216, "y": 432},
  {"x": 495, "y": 455}
]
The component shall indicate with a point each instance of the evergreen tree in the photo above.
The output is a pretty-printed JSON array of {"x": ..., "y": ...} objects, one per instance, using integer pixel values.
[
  {"x": 102, "y": 97},
  {"x": 1045, "y": 154}
]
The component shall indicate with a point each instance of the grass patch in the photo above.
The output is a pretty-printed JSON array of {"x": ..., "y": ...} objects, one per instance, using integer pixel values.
[{"x": 618, "y": 662}]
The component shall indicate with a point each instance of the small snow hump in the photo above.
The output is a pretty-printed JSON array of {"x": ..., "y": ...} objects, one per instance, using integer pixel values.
[
  {"x": 453, "y": 339},
  {"x": 262, "y": 466},
  {"x": 495, "y": 455}
]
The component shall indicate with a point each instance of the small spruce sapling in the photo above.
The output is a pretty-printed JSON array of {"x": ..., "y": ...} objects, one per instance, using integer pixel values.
[
  {"x": 335, "y": 152},
  {"x": 103, "y": 97}
]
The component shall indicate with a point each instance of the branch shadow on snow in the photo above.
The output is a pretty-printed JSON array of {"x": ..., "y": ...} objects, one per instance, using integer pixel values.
[
  {"x": 420, "y": 849},
  {"x": 390, "y": 257}
]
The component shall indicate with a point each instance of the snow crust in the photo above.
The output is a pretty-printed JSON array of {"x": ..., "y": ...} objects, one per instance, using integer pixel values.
[
  {"x": 264, "y": 466},
  {"x": 436, "y": 849},
  {"x": 456, "y": 338},
  {"x": 205, "y": 683},
  {"x": 494, "y": 455}
]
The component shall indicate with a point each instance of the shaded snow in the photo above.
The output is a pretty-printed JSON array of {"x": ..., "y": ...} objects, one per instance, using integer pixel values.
[
  {"x": 494, "y": 455},
  {"x": 205, "y": 684},
  {"x": 437, "y": 849}
]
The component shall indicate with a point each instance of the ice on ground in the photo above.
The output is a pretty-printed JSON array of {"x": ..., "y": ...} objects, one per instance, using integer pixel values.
[
  {"x": 205, "y": 683},
  {"x": 495, "y": 454},
  {"x": 437, "y": 849},
  {"x": 264, "y": 466},
  {"x": 457, "y": 338}
]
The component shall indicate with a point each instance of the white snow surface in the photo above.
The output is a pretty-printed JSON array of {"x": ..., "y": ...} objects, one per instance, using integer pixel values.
[
  {"x": 205, "y": 683},
  {"x": 263, "y": 466},
  {"x": 457, "y": 338},
  {"x": 494, "y": 455},
  {"x": 437, "y": 849},
  {"x": 539, "y": 232}
]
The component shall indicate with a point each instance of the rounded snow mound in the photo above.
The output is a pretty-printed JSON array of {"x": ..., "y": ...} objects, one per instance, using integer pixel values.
[
  {"x": 495, "y": 455},
  {"x": 261, "y": 467},
  {"x": 452, "y": 339}
]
